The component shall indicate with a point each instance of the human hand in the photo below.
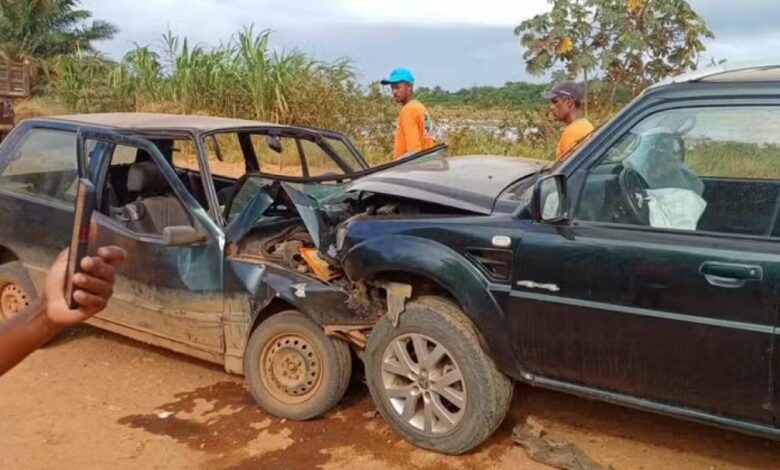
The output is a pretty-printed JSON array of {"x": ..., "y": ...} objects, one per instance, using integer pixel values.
[{"x": 93, "y": 286}]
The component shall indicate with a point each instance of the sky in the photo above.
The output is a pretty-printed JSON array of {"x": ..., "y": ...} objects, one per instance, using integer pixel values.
[{"x": 450, "y": 43}]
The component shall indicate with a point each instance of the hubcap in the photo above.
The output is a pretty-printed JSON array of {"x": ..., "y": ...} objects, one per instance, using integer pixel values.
[
  {"x": 290, "y": 368},
  {"x": 424, "y": 384},
  {"x": 12, "y": 299}
]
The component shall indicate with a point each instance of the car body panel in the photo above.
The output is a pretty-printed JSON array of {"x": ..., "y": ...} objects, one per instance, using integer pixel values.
[
  {"x": 470, "y": 183},
  {"x": 436, "y": 248}
]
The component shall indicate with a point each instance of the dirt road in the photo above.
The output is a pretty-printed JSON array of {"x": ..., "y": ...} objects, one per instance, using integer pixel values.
[{"x": 93, "y": 400}]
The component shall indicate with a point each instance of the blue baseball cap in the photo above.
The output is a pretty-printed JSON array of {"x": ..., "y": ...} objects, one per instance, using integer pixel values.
[{"x": 399, "y": 75}]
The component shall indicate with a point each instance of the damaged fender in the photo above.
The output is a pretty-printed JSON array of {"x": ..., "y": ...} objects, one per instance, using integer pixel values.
[
  {"x": 324, "y": 303},
  {"x": 447, "y": 268}
]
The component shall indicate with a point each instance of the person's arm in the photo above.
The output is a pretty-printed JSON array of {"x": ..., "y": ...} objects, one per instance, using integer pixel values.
[
  {"x": 24, "y": 332},
  {"x": 411, "y": 123}
]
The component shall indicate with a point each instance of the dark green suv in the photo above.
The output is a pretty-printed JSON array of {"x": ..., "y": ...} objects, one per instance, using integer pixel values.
[{"x": 644, "y": 270}]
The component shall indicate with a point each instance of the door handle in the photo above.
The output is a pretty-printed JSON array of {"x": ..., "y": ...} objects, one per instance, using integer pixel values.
[{"x": 730, "y": 275}]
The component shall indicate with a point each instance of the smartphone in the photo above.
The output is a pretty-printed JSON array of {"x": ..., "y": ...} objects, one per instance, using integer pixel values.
[{"x": 79, "y": 237}]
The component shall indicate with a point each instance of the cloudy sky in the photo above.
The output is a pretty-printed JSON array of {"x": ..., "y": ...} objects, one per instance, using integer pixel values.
[{"x": 451, "y": 43}]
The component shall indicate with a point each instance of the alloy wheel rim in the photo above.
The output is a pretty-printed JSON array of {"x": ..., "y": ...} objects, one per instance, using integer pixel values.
[{"x": 423, "y": 384}]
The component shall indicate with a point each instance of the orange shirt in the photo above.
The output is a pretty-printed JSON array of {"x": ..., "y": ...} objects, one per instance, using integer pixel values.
[
  {"x": 571, "y": 136},
  {"x": 414, "y": 130}
]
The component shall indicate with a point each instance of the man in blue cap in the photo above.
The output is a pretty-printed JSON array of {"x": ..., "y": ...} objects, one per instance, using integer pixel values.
[{"x": 414, "y": 130}]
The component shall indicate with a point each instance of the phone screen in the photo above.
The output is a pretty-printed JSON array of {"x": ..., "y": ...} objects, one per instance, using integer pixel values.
[{"x": 79, "y": 238}]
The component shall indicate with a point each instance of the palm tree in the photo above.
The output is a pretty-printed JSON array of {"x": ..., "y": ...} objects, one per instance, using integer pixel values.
[{"x": 41, "y": 29}]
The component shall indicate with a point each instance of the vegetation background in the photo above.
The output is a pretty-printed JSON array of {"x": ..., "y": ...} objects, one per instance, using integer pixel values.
[{"x": 615, "y": 47}]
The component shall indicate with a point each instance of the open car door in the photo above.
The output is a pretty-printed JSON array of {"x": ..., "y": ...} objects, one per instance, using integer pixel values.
[{"x": 169, "y": 292}]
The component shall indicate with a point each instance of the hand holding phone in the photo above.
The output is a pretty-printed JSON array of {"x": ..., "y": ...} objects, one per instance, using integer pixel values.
[{"x": 79, "y": 238}]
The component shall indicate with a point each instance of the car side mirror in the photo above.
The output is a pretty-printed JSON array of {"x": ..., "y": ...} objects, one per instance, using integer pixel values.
[
  {"x": 549, "y": 203},
  {"x": 180, "y": 235}
]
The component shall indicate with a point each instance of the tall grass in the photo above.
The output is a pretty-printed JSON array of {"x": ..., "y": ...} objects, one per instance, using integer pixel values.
[{"x": 244, "y": 78}]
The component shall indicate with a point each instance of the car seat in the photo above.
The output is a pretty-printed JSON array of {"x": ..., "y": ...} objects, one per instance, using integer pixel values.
[{"x": 156, "y": 207}]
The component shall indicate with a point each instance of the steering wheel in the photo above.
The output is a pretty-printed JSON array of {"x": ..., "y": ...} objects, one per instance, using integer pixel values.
[{"x": 633, "y": 188}]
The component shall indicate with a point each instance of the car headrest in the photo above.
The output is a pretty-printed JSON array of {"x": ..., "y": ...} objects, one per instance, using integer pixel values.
[{"x": 146, "y": 179}]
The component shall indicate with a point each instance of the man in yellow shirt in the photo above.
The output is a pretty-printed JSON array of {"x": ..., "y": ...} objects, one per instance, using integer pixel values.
[
  {"x": 565, "y": 99},
  {"x": 414, "y": 130}
]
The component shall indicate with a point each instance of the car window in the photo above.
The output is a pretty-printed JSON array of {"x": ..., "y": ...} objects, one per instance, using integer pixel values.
[
  {"x": 123, "y": 155},
  {"x": 713, "y": 169},
  {"x": 185, "y": 155},
  {"x": 345, "y": 153},
  {"x": 138, "y": 196},
  {"x": 43, "y": 164},
  {"x": 318, "y": 161},
  {"x": 223, "y": 154},
  {"x": 277, "y": 155}
]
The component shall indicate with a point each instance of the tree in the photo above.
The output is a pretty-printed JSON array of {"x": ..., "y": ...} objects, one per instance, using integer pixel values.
[
  {"x": 627, "y": 42},
  {"x": 562, "y": 35},
  {"x": 648, "y": 40},
  {"x": 42, "y": 29}
]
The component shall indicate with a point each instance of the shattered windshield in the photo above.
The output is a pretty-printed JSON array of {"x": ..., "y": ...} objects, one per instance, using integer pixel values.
[
  {"x": 322, "y": 190},
  {"x": 261, "y": 187}
]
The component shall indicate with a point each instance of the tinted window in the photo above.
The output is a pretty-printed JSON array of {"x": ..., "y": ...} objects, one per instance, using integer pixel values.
[
  {"x": 43, "y": 164},
  {"x": 704, "y": 169}
]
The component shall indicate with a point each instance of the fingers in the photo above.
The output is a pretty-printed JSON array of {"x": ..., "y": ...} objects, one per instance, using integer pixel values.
[
  {"x": 94, "y": 285},
  {"x": 112, "y": 255},
  {"x": 97, "y": 267},
  {"x": 89, "y": 303}
]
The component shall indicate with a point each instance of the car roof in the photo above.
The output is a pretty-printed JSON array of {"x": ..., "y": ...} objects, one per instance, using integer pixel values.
[
  {"x": 724, "y": 73},
  {"x": 159, "y": 121}
]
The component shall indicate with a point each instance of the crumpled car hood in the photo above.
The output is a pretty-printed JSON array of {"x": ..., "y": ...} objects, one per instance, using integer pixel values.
[{"x": 469, "y": 183}]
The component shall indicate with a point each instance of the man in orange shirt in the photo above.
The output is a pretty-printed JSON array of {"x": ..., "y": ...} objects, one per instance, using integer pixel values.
[
  {"x": 565, "y": 99},
  {"x": 414, "y": 130}
]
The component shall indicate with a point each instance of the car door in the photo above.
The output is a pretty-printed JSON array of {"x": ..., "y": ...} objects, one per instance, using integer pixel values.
[
  {"x": 38, "y": 177},
  {"x": 679, "y": 315},
  {"x": 169, "y": 292}
]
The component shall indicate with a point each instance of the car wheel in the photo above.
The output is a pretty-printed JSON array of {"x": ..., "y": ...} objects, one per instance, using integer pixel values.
[
  {"x": 293, "y": 369},
  {"x": 431, "y": 380},
  {"x": 16, "y": 289}
]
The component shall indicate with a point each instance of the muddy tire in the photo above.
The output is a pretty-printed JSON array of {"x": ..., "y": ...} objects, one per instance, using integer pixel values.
[
  {"x": 431, "y": 380},
  {"x": 293, "y": 369},
  {"x": 16, "y": 289}
]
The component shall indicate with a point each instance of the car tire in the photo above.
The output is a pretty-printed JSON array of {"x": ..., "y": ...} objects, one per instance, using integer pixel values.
[
  {"x": 293, "y": 369},
  {"x": 477, "y": 398},
  {"x": 16, "y": 289}
]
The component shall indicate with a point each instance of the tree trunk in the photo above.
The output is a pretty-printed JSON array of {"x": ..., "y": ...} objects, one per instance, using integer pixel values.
[{"x": 585, "y": 91}]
